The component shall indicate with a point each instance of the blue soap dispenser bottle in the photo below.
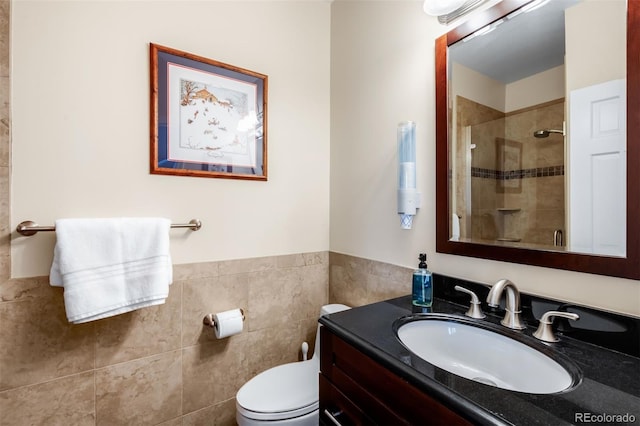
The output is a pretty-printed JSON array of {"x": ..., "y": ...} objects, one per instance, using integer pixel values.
[{"x": 422, "y": 294}]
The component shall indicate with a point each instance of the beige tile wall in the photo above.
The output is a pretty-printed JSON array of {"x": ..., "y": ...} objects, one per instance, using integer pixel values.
[
  {"x": 470, "y": 113},
  {"x": 5, "y": 140},
  {"x": 540, "y": 200},
  {"x": 158, "y": 364},
  {"x": 355, "y": 281}
]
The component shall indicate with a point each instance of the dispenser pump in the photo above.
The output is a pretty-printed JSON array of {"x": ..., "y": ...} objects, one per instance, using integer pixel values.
[{"x": 423, "y": 261}]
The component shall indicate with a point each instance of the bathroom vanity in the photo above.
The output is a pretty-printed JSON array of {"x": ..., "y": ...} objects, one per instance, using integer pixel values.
[
  {"x": 369, "y": 377},
  {"x": 355, "y": 387}
]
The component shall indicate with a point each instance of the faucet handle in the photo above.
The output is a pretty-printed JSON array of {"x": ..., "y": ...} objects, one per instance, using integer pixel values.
[
  {"x": 544, "y": 331},
  {"x": 475, "y": 309}
]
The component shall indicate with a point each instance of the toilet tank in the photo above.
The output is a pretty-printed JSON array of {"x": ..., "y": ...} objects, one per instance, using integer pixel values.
[
  {"x": 333, "y": 308},
  {"x": 325, "y": 310}
]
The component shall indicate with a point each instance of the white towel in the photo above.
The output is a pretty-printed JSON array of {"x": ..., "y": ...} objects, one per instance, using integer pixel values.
[
  {"x": 455, "y": 227},
  {"x": 111, "y": 266}
]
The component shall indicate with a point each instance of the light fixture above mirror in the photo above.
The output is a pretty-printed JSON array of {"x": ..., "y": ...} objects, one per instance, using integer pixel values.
[
  {"x": 441, "y": 7},
  {"x": 449, "y": 10}
]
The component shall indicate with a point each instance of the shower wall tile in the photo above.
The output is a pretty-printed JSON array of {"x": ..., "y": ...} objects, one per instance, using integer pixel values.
[
  {"x": 62, "y": 402},
  {"x": 146, "y": 391},
  {"x": 483, "y": 194},
  {"x": 551, "y": 115},
  {"x": 550, "y": 192},
  {"x": 539, "y": 190},
  {"x": 470, "y": 113}
]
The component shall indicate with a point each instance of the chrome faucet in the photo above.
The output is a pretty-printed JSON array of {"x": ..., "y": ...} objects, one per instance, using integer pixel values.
[{"x": 512, "y": 315}]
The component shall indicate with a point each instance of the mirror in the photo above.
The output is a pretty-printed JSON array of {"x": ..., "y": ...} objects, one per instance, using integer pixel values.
[{"x": 509, "y": 185}]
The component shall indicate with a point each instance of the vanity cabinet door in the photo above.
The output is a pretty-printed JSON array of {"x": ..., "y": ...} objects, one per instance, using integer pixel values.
[
  {"x": 337, "y": 409},
  {"x": 364, "y": 392}
]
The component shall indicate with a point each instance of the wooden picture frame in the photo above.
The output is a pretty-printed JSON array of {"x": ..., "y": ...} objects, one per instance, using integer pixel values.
[{"x": 208, "y": 119}]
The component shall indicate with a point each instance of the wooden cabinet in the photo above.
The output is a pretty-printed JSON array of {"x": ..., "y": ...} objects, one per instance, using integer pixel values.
[{"x": 355, "y": 389}]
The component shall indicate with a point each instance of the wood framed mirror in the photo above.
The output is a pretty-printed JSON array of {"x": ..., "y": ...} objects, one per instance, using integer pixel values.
[{"x": 493, "y": 244}]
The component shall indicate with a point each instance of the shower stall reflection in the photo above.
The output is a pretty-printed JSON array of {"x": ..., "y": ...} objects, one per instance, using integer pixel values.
[{"x": 509, "y": 174}]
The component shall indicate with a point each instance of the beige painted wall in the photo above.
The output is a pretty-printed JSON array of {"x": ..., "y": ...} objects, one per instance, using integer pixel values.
[
  {"x": 478, "y": 87},
  {"x": 80, "y": 110},
  {"x": 383, "y": 72},
  {"x": 539, "y": 88}
]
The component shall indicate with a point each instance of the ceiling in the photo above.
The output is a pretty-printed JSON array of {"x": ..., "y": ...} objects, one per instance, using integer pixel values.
[{"x": 523, "y": 45}]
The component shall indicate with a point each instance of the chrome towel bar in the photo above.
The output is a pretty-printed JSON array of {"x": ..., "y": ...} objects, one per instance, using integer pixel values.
[{"x": 28, "y": 227}]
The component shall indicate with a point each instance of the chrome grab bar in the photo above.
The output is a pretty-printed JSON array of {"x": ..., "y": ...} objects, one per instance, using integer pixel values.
[{"x": 28, "y": 227}]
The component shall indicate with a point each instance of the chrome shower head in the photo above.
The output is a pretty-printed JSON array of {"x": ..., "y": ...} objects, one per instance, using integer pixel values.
[{"x": 545, "y": 133}]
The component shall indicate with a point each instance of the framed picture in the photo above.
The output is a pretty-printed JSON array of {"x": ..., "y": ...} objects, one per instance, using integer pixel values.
[{"x": 208, "y": 119}]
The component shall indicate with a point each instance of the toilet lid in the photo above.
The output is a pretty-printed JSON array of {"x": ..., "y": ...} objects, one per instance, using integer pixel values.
[{"x": 288, "y": 389}]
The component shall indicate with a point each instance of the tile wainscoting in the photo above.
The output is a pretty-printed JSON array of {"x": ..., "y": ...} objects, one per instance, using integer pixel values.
[
  {"x": 158, "y": 365},
  {"x": 356, "y": 281}
]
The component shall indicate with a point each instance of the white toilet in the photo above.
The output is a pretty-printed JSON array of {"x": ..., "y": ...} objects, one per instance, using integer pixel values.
[{"x": 286, "y": 394}]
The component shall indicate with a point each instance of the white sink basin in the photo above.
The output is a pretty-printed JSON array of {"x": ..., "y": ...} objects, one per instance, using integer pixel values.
[{"x": 486, "y": 356}]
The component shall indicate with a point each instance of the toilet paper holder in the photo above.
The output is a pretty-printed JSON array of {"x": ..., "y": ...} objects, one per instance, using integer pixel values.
[{"x": 208, "y": 319}]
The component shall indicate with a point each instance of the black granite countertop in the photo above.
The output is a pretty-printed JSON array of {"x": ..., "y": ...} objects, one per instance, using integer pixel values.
[{"x": 608, "y": 393}]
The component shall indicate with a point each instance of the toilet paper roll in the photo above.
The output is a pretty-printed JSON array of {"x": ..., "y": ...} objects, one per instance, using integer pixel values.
[{"x": 228, "y": 323}]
